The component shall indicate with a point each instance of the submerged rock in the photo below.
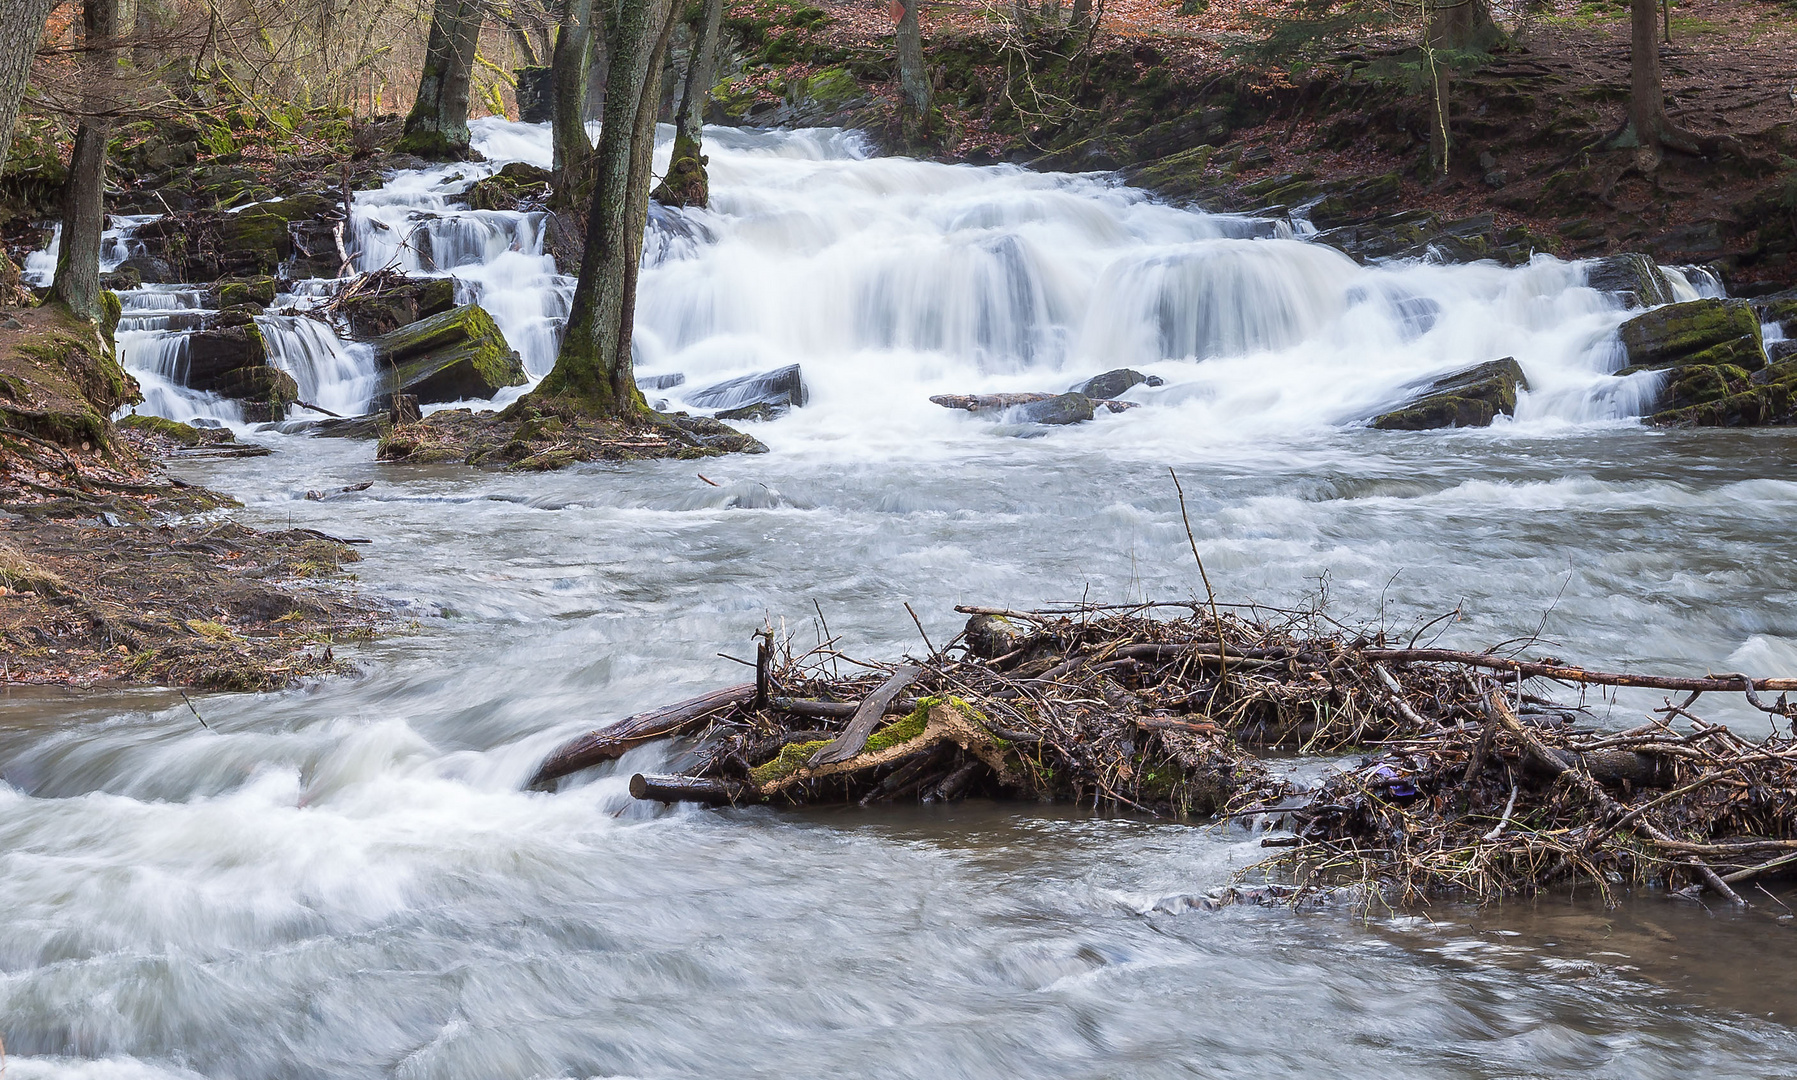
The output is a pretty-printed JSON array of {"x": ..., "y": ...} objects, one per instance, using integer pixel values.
[
  {"x": 760, "y": 397},
  {"x": 1696, "y": 332},
  {"x": 661, "y": 382},
  {"x": 1060, "y": 409},
  {"x": 1115, "y": 382},
  {"x": 1470, "y": 398},
  {"x": 457, "y": 355},
  {"x": 1633, "y": 278}
]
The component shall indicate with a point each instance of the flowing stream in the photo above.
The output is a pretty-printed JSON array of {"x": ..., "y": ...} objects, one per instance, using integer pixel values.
[{"x": 345, "y": 880}]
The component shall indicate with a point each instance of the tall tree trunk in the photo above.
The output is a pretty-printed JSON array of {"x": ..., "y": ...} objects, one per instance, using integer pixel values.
[
  {"x": 77, "y": 282},
  {"x": 594, "y": 370},
  {"x": 1081, "y": 16},
  {"x": 569, "y": 66},
  {"x": 914, "y": 80},
  {"x": 686, "y": 183},
  {"x": 437, "y": 126},
  {"x": 21, "y": 28}
]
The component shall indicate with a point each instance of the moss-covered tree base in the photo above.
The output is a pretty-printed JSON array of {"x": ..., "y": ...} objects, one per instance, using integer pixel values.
[
  {"x": 539, "y": 434},
  {"x": 686, "y": 183}
]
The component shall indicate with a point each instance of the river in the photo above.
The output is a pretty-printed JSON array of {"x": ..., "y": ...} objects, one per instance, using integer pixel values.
[{"x": 345, "y": 879}]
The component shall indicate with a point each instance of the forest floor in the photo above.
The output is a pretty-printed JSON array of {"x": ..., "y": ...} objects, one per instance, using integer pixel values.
[{"x": 1153, "y": 85}]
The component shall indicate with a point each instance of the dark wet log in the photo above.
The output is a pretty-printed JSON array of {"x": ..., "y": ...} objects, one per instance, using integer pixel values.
[
  {"x": 1613, "y": 767},
  {"x": 988, "y": 402},
  {"x": 712, "y": 791},
  {"x": 854, "y": 737},
  {"x": 613, "y": 740},
  {"x": 843, "y": 709},
  {"x": 1531, "y": 670}
]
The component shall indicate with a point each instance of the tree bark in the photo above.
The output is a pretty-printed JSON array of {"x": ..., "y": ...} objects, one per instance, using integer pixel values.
[
  {"x": 437, "y": 126},
  {"x": 594, "y": 371},
  {"x": 613, "y": 740},
  {"x": 686, "y": 183},
  {"x": 1081, "y": 16},
  {"x": 21, "y": 28},
  {"x": 914, "y": 80},
  {"x": 77, "y": 282}
]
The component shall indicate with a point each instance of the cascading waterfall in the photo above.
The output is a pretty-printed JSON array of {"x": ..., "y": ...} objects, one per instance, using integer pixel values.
[
  {"x": 889, "y": 280},
  {"x": 154, "y": 323}
]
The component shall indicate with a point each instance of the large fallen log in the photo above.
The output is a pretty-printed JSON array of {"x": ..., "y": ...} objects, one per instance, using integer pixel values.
[
  {"x": 614, "y": 740},
  {"x": 1530, "y": 669}
]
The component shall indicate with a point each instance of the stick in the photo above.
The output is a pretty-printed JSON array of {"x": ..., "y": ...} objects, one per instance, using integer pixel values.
[
  {"x": 1533, "y": 670},
  {"x": 854, "y": 737}
]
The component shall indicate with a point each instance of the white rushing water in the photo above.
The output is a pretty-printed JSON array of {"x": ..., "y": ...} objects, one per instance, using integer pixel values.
[{"x": 344, "y": 879}]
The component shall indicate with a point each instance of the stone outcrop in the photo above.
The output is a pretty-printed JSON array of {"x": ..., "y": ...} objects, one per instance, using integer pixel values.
[
  {"x": 517, "y": 186},
  {"x": 1470, "y": 398},
  {"x": 455, "y": 356},
  {"x": 1114, "y": 383}
]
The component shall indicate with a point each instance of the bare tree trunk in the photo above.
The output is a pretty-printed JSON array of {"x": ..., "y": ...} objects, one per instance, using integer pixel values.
[
  {"x": 77, "y": 282},
  {"x": 1081, "y": 16},
  {"x": 21, "y": 27},
  {"x": 914, "y": 80},
  {"x": 571, "y": 61},
  {"x": 437, "y": 126},
  {"x": 686, "y": 183},
  {"x": 594, "y": 370}
]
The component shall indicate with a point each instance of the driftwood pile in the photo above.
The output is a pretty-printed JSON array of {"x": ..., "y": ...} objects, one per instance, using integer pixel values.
[{"x": 1465, "y": 782}]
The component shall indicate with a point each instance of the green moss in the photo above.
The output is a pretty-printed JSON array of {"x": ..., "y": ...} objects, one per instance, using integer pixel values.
[
  {"x": 791, "y": 759},
  {"x": 260, "y": 290},
  {"x": 185, "y": 434},
  {"x": 1695, "y": 332}
]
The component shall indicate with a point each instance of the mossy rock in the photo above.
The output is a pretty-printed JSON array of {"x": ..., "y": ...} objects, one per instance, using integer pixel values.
[
  {"x": 214, "y": 353},
  {"x": 1471, "y": 398},
  {"x": 1774, "y": 404},
  {"x": 258, "y": 290},
  {"x": 61, "y": 379},
  {"x": 1780, "y": 308},
  {"x": 511, "y": 187},
  {"x": 1688, "y": 386},
  {"x": 166, "y": 428},
  {"x": 1696, "y": 332},
  {"x": 457, "y": 355},
  {"x": 834, "y": 88}
]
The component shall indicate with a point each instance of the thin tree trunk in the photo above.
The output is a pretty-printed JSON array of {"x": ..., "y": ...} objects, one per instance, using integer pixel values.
[
  {"x": 77, "y": 282},
  {"x": 437, "y": 126},
  {"x": 914, "y": 80},
  {"x": 594, "y": 370},
  {"x": 21, "y": 28},
  {"x": 1081, "y": 15},
  {"x": 686, "y": 183}
]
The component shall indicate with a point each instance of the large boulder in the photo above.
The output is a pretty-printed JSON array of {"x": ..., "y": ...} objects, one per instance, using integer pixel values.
[
  {"x": 1470, "y": 398},
  {"x": 258, "y": 290},
  {"x": 1694, "y": 333},
  {"x": 457, "y": 355},
  {"x": 1633, "y": 278},
  {"x": 386, "y": 309},
  {"x": 205, "y": 245},
  {"x": 213, "y": 354},
  {"x": 758, "y": 397}
]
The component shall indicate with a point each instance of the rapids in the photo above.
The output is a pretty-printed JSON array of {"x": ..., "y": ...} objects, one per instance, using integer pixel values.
[{"x": 344, "y": 879}]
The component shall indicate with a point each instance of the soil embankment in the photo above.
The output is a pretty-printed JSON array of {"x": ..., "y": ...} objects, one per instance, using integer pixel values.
[{"x": 112, "y": 571}]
